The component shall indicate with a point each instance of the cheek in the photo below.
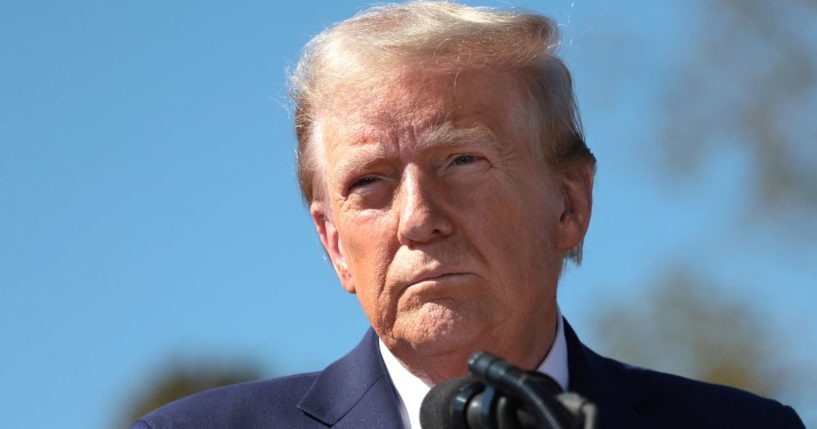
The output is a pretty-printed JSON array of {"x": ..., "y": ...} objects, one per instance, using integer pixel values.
[
  {"x": 513, "y": 224},
  {"x": 507, "y": 208},
  {"x": 366, "y": 236},
  {"x": 368, "y": 246}
]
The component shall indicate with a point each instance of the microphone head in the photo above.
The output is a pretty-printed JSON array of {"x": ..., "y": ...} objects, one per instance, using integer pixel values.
[{"x": 435, "y": 411}]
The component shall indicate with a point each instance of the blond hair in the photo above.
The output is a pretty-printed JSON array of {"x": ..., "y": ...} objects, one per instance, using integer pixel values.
[{"x": 375, "y": 45}]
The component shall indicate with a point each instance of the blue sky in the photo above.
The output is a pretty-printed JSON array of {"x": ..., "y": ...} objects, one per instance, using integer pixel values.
[{"x": 149, "y": 211}]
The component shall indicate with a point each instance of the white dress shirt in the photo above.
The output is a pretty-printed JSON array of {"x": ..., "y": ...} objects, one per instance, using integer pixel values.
[{"x": 411, "y": 389}]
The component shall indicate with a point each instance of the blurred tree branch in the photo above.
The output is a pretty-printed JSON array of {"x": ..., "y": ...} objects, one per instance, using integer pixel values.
[
  {"x": 751, "y": 82},
  {"x": 685, "y": 326}
]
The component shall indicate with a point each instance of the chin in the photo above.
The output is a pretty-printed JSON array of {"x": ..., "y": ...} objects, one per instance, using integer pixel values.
[{"x": 438, "y": 327}]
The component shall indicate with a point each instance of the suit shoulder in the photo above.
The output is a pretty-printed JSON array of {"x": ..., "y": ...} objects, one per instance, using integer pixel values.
[
  {"x": 704, "y": 404},
  {"x": 245, "y": 405}
]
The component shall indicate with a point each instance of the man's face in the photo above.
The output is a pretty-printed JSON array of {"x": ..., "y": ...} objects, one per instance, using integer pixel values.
[{"x": 440, "y": 214}]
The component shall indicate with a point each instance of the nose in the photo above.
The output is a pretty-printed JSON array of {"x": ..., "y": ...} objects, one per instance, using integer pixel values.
[{"x": 422, "y": 218}]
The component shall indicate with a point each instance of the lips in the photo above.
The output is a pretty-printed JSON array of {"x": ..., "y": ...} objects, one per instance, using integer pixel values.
[{"x": 432, "y": 275}]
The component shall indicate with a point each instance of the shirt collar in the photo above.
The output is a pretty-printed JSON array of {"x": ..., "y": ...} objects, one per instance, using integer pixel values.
[
  {"x": 411, "y": 389},
  {"x": 555, "y": 363}
]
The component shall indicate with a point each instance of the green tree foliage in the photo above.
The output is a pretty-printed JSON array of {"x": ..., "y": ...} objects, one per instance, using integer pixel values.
[
  {"x": 177, "y": 382},
  {"x": 686, "y": 325}
]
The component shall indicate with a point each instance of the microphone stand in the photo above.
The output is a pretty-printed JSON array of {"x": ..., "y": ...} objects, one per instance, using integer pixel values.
[{"x": 538, "y": 394}]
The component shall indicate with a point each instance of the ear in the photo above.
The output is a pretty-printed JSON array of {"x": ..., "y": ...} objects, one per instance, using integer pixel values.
[
  {"x": 330, "y": 240},
  {"x": 577, "y": 195}
]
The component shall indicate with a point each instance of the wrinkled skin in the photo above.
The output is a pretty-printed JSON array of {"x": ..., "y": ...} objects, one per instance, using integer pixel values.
[{"x": 443, "y": 218}]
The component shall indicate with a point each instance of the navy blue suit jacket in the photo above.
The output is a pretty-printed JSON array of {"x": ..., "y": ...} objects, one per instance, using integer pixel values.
[{"x": 356, "y": 392}]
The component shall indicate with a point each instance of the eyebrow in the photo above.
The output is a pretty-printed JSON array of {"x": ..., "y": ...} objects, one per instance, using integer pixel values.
[
  {"x": 445, "y": 134},
  {"x": 448, "y": 133}
]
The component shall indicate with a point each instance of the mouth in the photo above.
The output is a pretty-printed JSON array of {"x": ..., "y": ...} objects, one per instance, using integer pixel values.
[{"x": 435, "y": 278}]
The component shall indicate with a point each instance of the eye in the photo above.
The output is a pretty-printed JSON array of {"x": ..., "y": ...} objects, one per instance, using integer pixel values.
[
  {"x": 466, "y": 160},
  {"x": 463, "y": 159},
  {"x": 363, "y": 182},
  {"x": 466, "y": 165}
]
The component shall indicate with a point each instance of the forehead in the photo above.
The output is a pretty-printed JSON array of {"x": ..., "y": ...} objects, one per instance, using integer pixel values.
[{"x": 418, "y": 101}]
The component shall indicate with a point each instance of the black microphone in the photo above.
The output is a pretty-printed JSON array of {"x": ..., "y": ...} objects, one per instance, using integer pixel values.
[
  {"x": 464, "y": 403},
  {"x": 437, "y": 409},
  {"x": 535, "y": 391},
  {"x": 501, "y": 396}
]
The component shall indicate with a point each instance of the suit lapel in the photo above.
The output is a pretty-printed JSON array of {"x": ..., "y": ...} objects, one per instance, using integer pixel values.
[
  {"x": 607, "y": 384},
  {"x": 355, "y": 391}
]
